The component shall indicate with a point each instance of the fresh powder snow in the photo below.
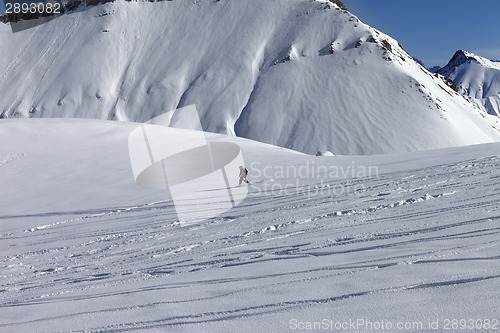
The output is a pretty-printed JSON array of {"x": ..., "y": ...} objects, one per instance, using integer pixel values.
[{"x": 400, "y": 238}]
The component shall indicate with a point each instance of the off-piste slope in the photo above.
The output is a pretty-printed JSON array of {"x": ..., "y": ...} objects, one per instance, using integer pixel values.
[
  {"x": 477, "y": 78},
  {"x": 300, "y": 74},
  {"x": 82, "y": 248}
]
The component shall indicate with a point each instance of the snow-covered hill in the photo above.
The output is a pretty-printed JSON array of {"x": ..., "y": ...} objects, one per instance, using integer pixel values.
[
  {"x": 83, "y": 249},
  {"x": 477, "y": 78},
  {"x": 299, "y": 74}
]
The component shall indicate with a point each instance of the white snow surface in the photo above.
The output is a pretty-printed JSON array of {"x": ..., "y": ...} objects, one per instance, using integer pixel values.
[
  {"x": 299, "y": 74},
  {"x": 477, "y": 78},
  {"x": 83, "y": 249}
]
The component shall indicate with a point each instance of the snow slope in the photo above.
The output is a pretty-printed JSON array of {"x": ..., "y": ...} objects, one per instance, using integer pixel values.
[
  {"x": 476, "y": 77},
  {"x": 82, "y": 248},
  {"x": 299, "y": 74}
]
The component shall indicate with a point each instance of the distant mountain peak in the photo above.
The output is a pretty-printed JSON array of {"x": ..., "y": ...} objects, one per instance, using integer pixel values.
[
  {"x": 461, "y": 57},
  {"x": 477, "y": 78}
]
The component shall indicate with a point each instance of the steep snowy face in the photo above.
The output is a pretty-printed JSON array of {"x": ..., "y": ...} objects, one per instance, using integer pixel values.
[
  {"x": 305, "y": 75},
  {"x": 477, "y": 78}
]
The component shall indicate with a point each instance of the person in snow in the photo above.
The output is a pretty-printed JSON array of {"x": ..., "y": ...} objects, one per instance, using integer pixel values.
[{"x": 243, "y": 175}]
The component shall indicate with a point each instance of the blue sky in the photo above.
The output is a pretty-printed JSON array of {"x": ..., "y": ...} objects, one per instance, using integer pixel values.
[{"x": 432, "y": 30}]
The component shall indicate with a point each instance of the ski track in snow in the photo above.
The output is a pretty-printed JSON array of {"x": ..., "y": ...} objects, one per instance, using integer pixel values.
[
  {"x": 6, "y": 159},
  {"x": 428, "y": 216}
]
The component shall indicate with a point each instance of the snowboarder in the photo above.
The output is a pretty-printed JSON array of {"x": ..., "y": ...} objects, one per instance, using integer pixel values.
[{"x": 243, "y": 175}]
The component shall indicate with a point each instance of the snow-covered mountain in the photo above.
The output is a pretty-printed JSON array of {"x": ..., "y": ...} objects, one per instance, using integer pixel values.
[
  {"x": 477, "y": 78},
  {"x": 300, "y": 74}
]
